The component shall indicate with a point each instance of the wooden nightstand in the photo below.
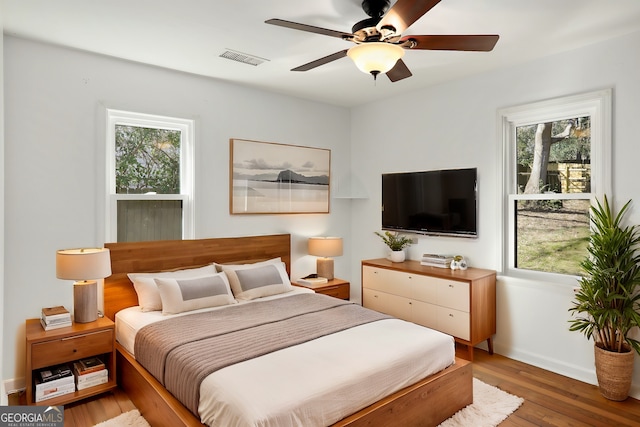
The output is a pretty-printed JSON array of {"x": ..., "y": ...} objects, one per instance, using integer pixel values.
[
  {"x": 336, "y": 288},
  {"x": 63, "y": 345}
]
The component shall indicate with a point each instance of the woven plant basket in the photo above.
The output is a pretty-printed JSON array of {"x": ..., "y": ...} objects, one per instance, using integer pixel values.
[{"x": 614, "y": 372}]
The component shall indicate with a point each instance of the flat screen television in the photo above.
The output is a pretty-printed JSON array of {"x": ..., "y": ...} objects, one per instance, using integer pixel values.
[{"x": 438, "y": 202}]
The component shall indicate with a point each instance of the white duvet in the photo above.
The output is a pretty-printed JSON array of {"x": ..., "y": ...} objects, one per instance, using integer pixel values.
[{"x": 316, "y": 383}]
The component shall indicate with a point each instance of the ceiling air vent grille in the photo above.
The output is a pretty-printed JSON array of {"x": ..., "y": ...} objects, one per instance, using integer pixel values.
[{"x": 245, "y": 58}]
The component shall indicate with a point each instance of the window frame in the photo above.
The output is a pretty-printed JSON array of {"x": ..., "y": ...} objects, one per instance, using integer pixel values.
[
  {"x": 595, "y": 104},
  {"x": 187, "y": 136}
]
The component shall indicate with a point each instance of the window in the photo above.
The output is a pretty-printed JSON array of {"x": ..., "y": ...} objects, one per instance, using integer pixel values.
[
  {"x": 556, "y": 161},
  {"x": 150, "y": 177}
]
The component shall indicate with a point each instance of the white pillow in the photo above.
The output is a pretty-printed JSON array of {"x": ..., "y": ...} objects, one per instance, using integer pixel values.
[
  {"x": 148, "y": 295},
  {"x": 180, "y": 295},
  {"x": 257, "y": 280},
  {"x": 244, "y": 264}
]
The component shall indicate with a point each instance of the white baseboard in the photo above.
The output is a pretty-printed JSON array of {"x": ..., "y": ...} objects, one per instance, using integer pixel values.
[
  {"x": 13, "y": 385},
  {"x": 559, "y": 367}
]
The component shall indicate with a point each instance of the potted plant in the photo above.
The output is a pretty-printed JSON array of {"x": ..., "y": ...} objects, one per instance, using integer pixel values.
[
  {"x": 396, "y": 243},
  {"x": 607, "y": 300}
]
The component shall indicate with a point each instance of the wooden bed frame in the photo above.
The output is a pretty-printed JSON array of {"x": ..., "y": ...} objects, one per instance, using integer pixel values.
[{"x": 426, "y": 403}]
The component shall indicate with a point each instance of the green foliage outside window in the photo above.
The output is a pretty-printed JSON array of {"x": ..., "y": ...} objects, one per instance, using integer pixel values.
[{"x": 147, "y": 160}]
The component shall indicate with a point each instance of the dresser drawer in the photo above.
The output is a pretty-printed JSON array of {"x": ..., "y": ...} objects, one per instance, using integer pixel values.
[
  {"x": 424, "y": 314},
  {"x": 71, "y": 348},
  {"x": 341, "y": 292},
  {"x": 454, "y": 322},
  {"x": 387, "y": 303},
  {"x": 388, "y": 281},
  {"x": 453, "y": 294}
]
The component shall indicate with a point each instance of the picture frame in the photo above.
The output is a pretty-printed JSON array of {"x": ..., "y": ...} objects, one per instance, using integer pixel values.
[{"x": 274, "y": 178}]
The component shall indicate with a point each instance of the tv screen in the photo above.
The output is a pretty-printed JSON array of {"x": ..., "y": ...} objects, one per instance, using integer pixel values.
[{"x": 440, "y": 202}]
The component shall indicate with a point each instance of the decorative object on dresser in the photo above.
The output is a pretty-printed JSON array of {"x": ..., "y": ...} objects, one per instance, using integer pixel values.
[
  {"x": 461, "y": 303},
  {"x": 435, "y": 260},
  {"x": 336, "y": 288},
  {"x": 59, "y": 351},
  {"x": 396, "y": 243},
  {"x": 607, "y": 299},
  {"x": 55, "y": 317},
  {"x": 459, "y": 263},
  {"x": 325, "y": 248},
  {"x": 84, "y": 266}
]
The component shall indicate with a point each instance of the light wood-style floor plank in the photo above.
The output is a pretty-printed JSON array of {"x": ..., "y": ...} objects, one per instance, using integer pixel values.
[
  {"x": 97, "y": 409},
  {"x": 552, "y": 399}
]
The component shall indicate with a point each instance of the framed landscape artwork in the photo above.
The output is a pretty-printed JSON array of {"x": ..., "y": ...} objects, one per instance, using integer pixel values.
[{"x": 271, "y": 178}]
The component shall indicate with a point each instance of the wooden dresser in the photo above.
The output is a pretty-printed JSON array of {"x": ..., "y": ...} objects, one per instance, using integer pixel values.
[{"x": 461, "y": 303}]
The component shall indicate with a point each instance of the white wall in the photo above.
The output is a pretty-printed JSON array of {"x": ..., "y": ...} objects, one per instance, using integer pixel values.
[
  {"x": 55, "y": 163},
  {"x": 3, "y": 399},
  {"x": 455, "y": 125}
]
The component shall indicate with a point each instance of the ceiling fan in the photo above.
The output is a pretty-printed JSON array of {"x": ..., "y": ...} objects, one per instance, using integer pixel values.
[{"x": 379, "y": 41}]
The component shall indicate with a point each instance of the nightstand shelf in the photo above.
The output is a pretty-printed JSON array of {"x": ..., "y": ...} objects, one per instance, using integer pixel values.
[
  {"x": 336, "y": 288},
  {"x": 65, "y": 345}
]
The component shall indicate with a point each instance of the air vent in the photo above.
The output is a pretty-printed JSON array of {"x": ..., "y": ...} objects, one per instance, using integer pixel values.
[{"x": 245, "y": 58}]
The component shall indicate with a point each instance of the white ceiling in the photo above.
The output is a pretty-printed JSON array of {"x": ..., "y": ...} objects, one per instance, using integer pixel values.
[{"x": 189, "y": 35}]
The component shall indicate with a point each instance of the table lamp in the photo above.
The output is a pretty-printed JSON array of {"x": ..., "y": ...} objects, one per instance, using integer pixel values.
[
  {"x": 84, "y": 266},
  {"x": 325, "y": 247}
]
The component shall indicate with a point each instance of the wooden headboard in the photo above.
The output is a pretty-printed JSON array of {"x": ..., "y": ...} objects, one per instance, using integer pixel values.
[{"x": 162, "y": 255}]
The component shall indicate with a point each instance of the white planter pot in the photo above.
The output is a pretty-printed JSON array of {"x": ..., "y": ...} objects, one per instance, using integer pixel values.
[{"x": 396, "y": 256}]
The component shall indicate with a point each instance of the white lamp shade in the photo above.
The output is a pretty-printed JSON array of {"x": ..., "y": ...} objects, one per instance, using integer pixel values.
[
  {"x": 83, "y": 264},
  {"x": 325, "y": 246},
  {"x": 375, "y": 56}
]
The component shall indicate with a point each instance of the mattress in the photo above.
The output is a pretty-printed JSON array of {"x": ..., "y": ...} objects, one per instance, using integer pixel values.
[{"x": 316, "y": 383}]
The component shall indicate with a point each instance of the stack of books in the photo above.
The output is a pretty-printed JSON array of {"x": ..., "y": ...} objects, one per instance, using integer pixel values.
[
  {"x": 54, "y": 381},
  {"x": 435, "y": 260},
  {"x": 55, "y": 317},
  {"x": 90, "y": 372},
  {"x": 312, "y": 281}
]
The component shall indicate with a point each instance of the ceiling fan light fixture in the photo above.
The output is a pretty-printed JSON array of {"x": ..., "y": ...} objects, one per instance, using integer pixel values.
[{"x": 375, "y": 57}]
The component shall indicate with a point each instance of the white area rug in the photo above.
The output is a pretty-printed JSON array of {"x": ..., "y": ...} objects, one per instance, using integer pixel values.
[
  {"x": 490, "y": 407},
  {"x": 128, "y": 419}
]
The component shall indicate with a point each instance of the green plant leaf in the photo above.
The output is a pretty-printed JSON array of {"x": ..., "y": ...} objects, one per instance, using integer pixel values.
[{"x": 605, "y": 307}]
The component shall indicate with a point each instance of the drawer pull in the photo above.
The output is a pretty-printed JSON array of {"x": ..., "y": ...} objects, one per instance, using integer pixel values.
[
  {"x": 450, "y": 315},
  {"x": 451, "y": 286},
  {"x": 81, "y": 336}
]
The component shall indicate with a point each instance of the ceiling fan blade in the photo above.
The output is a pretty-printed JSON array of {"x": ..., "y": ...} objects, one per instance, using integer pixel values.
[
  {"x": 406, "y": 12},
  {"x": 480, "y": 43},
  {"x": 321, "y": 61},
  {"x": 309, "y": 28},
  {"x": 399, "y": 71}
]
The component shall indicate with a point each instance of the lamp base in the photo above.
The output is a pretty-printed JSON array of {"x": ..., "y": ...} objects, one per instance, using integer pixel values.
[
  {"x": 85, "y": 301},
  {"x": 324, "y": 268}
]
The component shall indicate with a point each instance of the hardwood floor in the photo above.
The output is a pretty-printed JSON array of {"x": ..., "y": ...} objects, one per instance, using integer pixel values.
[
  {"x": 550, "y": 399},
  {"x": 92, "y": 411}
]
